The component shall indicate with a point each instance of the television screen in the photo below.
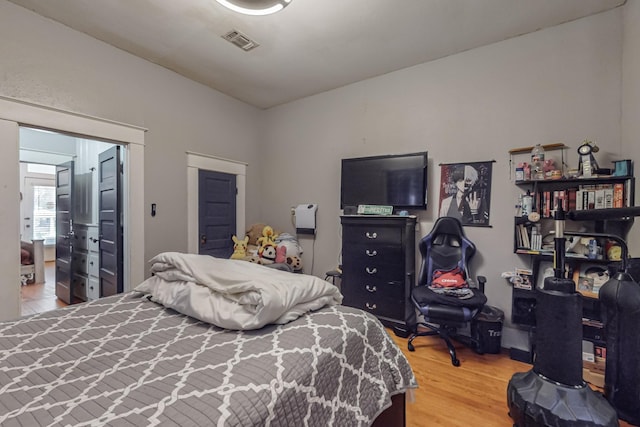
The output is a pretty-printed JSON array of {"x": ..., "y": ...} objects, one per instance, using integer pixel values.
[{"x": 393, "y": 180}]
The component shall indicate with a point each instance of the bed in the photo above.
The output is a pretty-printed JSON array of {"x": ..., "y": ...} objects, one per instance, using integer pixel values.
[{"x": 127, "y": 360}]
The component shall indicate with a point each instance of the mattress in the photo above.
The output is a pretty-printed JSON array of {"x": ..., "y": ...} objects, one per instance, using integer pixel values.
[{"x": 124, "y": 360}]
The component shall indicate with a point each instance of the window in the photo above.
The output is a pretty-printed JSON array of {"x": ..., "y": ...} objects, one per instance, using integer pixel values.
[{"x": 44, "y": 213}]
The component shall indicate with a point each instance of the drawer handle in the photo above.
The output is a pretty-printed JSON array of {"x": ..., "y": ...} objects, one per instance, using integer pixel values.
[
  {"x": 90, "y": 262},
  {"x": 371, "y": 253},
  {"x": 370, "y": 288},
  {"x": 371, "y": 270},
  {"x": 371, "y": 306},
  {"x": 372, "y": 235},
  {"x": 93, "y": 239}
]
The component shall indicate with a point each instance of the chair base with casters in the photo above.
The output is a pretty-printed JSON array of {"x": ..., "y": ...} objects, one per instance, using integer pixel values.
[
  {"x": 444, "y": 306},
  {"x": 445, "y": 320}
]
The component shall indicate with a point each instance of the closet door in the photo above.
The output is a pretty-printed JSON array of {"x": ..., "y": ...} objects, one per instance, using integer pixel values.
[
  {"x": 110, "y": 221},
  {"x": 64, "y": 231},
  {"x": 216, "y": 213}
]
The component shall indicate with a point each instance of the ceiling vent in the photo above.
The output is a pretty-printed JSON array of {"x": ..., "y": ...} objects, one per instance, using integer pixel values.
[{"x": 242, "y": 41}]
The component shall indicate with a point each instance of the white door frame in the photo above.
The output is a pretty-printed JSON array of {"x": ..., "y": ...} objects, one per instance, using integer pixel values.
[
  {"x": 15, "y": 112},
  {"x": 196, "y": 162}
]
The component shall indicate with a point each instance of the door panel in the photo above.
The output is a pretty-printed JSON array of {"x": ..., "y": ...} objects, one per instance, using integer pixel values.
[
  {"x": 110, "y": 221},
  {"x": 217, "y": 213},
  {"x": 64, "y": 231}
]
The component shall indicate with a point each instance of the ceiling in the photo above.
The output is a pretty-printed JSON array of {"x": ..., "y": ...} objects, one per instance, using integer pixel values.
[{"x": 312, "y": 45}]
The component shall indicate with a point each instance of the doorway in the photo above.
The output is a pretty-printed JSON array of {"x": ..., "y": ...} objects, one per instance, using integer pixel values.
[
  {"x": 14, "y": 113},
  {"x": 197, "y": 162},
  {"x": 67, "y": 197},
  {"x": 216, "y": 213}
]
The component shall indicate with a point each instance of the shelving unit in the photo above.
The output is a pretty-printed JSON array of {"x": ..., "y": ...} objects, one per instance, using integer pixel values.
[
  {"x": 574, "y": 194},
  {"x": 547, "y": 148}
]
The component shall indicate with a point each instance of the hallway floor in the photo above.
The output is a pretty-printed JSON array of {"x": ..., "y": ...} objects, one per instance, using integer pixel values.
[{"x": 41, "y": 297}]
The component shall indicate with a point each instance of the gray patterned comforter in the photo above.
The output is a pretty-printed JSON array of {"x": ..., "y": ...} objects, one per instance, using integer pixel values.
[{"x": 124, "y": 360}]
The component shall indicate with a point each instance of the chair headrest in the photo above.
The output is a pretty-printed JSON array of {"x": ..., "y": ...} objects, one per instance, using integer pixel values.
[{"x": 448, "y": 225}]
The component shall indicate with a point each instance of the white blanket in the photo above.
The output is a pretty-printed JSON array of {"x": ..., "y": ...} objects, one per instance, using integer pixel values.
[{"x": 234, "y": 294}]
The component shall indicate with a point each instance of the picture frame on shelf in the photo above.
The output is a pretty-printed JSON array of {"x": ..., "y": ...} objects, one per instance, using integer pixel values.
[
  {"x": 589, "y": 279},
  {"x": 524, "y": 279}
]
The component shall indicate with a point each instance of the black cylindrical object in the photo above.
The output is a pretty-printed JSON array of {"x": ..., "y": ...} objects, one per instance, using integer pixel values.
[
  {"x": 620, "y": 297},
  {"x": 553, "y": 394},
  {"x": 559, "y": 332}
]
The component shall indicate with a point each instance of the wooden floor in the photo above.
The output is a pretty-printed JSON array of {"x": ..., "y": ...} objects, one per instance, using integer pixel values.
[
  {"x": 41, "y": 297},
  {"x": 473, "y": 394}
]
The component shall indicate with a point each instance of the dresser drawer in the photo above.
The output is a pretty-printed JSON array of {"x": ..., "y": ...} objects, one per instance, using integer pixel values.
[
  {"x": 367, "y": 287},
  {"x": 372, "y": 253},
  {"x": 376, "y": 305},
  {"x": 93, "y": 244},
  {"x": 80, "y": 240},
  {"x": 80, "y": 263},
  {"x": 372, "y": 272},
  {"x": 80, "y": 286},
  {"x": 359, "y": 234},
  {"x": 93, "y": 288},
  {"x": 94, "y": 265}
]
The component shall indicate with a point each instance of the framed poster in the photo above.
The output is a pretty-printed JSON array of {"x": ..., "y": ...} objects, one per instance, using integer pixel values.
[{"x": 465, "y": 192}]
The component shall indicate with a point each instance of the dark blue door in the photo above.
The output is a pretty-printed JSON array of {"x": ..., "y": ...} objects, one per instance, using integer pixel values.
[
  {"x": 110, "y": 221},
  {"x": 64, "y": 231},
  {"x": 217, "y": 213}
]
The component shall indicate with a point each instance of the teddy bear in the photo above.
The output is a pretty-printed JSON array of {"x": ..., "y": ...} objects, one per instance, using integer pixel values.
[
  {"x": 295, "y": 262},
  {"x": 239, "y": 247},
  {"x": 254, "y": 232}
]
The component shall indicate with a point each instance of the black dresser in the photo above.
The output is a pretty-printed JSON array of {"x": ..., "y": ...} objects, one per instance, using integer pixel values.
[{"x": 378, "y": 267}]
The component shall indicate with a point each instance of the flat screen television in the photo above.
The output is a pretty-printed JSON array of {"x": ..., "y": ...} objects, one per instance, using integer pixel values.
[{"x": 398, "y": 180}]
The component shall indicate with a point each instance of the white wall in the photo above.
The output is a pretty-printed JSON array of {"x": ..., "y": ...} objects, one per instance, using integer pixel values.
[
  {"x": 556, "y": 85},
  {"x": 561, "y": 84},
  {"x": 50, "y": 64},
  {"x": 631, "y": 102}
]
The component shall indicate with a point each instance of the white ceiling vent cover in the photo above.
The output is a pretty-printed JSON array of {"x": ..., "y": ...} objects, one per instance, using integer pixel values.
[{"x": 240, "y": 40}]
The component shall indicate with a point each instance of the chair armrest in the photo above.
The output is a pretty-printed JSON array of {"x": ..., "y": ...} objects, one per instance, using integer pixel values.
[{"x": 481, "y": 281}]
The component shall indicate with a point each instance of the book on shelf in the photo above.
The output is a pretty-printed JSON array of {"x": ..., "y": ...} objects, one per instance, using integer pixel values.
[
  {"x": 599, "y": 198},
  {"x": 608, "y": 198},
  {"x": 618, "y": 195},
  {"x": 536, "y": 239},
  {"x": 524, "y": 236}
]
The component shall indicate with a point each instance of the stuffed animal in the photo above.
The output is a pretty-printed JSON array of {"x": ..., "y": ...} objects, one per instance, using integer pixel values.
[
  {"x": 295, "y": 263},
  {"x": 268, "y": 237},
  {"x": 239, "y": 247},
  {"x": 268, "y": 254},
  {"x": 289, "y": 242},
  {"x": 254, "y": 232},
  {"x": 252, "y": 258},
  {"x": 281, "y": 254}
]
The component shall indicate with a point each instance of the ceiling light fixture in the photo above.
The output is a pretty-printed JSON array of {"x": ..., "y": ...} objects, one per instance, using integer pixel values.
[{"x": 255, "y": 7}]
